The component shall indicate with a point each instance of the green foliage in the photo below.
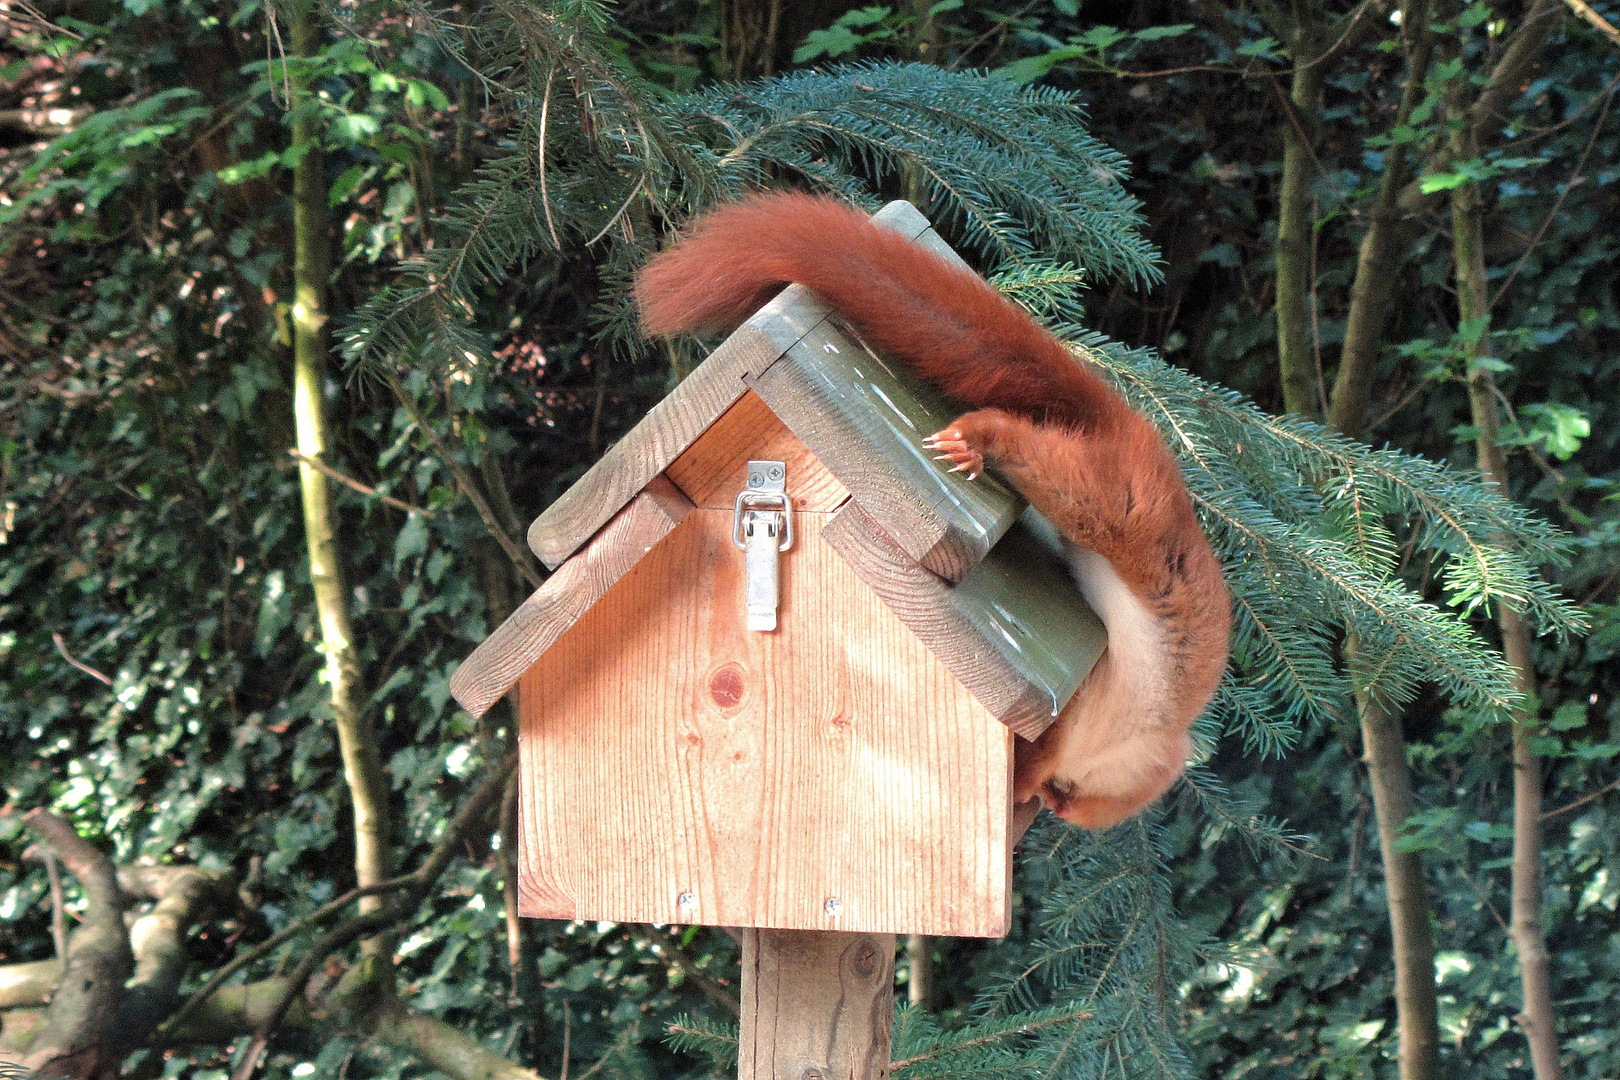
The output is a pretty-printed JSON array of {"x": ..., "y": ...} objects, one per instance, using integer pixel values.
[
  {"x": 496, "y": 181},
  {"x": 849, "y": 32},
  {"x": 1013, "y": 168},
  {"x": 1312, "y": 997},
  {"x": 1288, "y": 501},
  {"x": 706, "y": 1039}
]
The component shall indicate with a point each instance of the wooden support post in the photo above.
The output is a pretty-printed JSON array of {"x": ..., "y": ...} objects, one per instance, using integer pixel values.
[{"x": 817, "y": 1005}]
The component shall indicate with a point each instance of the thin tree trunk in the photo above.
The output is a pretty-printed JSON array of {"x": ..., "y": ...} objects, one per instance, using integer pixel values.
[
  {"x": 1384, "y": 748},
  {"x": 462, "y": 159},
  {"x": 925, "y": 37},
  {"x": 1296, "y": 354},
  {"x": 919, "y": 970},
  {"x": 1384, "y": 245},
  {"x": 1416, "y": 1010},
  {"x": 1537, "y": 1018},
  {"x": 312, "y": 266},
  {"x": 1382, "y": 251}
]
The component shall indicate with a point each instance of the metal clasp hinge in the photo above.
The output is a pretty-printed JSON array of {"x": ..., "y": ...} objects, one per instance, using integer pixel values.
[{"x": 762, "y": 526}]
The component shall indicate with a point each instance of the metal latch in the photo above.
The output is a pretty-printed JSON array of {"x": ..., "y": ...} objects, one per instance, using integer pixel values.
[{"x": 762, "y": 526}]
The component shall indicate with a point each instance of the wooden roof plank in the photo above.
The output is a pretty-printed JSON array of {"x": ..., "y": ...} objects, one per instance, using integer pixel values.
[
  {"x": 866, "y": 419},
  {"x": 1023, "y": 599},
  {"x": 631, "y": 463},
  {"x": 1015, "y": 632},
  {"x": 485, "y": 676}
]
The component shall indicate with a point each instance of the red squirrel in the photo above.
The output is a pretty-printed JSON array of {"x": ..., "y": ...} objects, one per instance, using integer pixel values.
[{"x": 1042, "y": 419}]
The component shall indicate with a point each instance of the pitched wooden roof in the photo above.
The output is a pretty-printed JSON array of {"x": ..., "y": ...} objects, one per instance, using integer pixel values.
[
  {"x": 947, "y": 554},
  {"x": 859, "y": 415}
]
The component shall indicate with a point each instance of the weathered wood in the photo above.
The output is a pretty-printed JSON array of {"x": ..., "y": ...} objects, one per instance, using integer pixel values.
[
  {"x": 679, "y": 768},
  {"x": 816, "y": 1006},
  {"x": 1015, "y": 631},
  {"x": 631, "y": 463},
  {"x": 675, "y": 422},
  {"x": 936, "y": 243},
  {"x": 485, "y": 676},
  {"x": 867, "y": 420},
  {"x": 715, "y": 468}
]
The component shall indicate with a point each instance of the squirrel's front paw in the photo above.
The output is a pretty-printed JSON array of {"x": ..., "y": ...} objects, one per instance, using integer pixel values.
[{"x": 953, "y": 447}]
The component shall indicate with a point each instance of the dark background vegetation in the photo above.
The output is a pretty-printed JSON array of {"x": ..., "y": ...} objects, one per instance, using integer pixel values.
[{"x": 159, "y": 646}]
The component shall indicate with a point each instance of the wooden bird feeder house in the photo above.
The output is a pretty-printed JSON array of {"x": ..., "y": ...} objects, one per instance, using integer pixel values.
[{"x": 720, "y": 726}]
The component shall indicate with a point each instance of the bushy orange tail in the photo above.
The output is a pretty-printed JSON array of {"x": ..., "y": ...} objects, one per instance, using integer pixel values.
[{"x": 946, "y": 322}]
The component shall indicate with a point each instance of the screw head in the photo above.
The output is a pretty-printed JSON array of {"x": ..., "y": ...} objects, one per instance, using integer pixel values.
[
  {"x": 686, "y": 901},
  {"x": 833, "y": 906}
]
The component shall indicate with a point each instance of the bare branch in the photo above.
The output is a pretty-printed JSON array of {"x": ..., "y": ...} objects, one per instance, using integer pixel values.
[
  {"x": 84, "y": 1011},
  {"x": 447, "y": 1049},
  {"x": 1602, "y": 25},
  {"x": 25, "y": 985},
  {"x": 669, "y": 948},
  {"x": 264, "y": 948},
  {"x": 413, "y": 886},
  {"x": 41, "y": 123},
  {"x": 61, "y": 647},
  {"x": 518, "y": 554},
  {"x": 1582, "y": 801},
  {"x": 53, "y": 871},
  {"x": 183, "y": 895},
  {"x": 1575, "y": 178},
  {"x": 1523, "y": 49},
  {"x": 348, "y": 481}
]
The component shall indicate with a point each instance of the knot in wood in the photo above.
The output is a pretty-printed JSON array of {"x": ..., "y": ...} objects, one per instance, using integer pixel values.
[
  {"x": 813, "y": 1072},
  {"x": 726, "y": 686},
  {"x": 864, "y": 960}
]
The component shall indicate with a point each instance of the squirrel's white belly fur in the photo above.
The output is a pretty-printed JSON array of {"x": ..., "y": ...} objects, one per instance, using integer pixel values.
[{"x": 1121, "y": 732}]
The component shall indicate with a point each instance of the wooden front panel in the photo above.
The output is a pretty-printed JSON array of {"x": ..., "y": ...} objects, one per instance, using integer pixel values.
[
  {"x": 832, "y": 775},
  {"x": 714, "y": 470}
]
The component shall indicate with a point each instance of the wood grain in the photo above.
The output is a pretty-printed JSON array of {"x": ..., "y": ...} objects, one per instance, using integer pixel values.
[
  {"x": 485, "y": 676},
  {"x": 631, "y": 463},
  {"x": 715, "y": 468},
  {"x": 831, "y": 775},
  {"x": 1015, "y": 631},
  {"x": 675, "y": 422},
  {"x": 816, "y": 1006},
  {"x": 867, "y": 418}
]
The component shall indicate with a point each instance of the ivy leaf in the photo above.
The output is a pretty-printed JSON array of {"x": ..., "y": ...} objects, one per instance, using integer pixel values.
[
  {"x": 1154, "y": 33},
  {"x": 1436, "y": 182},
  {"x": 835, "y": 41},
  {"x": 1561, "y": 428},
  {"x": 355, "y": 127},
  {"x": 1101, "y": 37},
  {"x": 1570, "y": 715},
  {"x": 1263, "y": 49},
  {"x": 866, "y": 16}
]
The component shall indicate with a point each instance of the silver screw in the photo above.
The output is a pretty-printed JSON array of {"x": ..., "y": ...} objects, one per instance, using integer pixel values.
[
  {"x": 833, "y": 906},
  {"x": 686, "y": 900}
]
